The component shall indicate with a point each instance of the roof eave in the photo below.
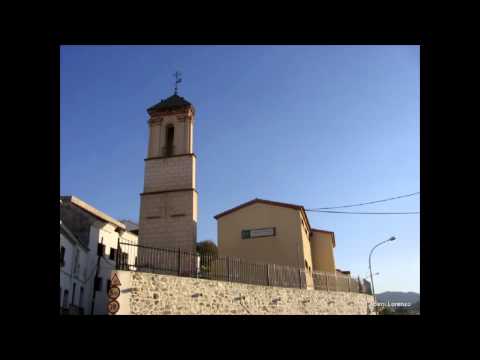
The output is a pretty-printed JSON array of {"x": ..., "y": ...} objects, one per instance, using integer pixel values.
[
  {"x": 263, "y": 201},
  {"x": 154, "y": 111},
  {"x": 93, "y": 211},
  {"x": 72, "y": 238}
]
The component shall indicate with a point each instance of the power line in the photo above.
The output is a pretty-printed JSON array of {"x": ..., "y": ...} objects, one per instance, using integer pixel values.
[
  {"x": 366, "y": 213},
  {"x": 365, "y": 203}
]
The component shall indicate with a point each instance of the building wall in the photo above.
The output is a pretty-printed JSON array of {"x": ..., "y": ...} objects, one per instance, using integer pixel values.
[
  {"x": 322, "y": 252},
  {"x": 305, "y": 245},
  {"x": 106, "y": 232},
  {"x": 67, "y": 270},
  {"x": 152, "y": 294},
  {"x": 170, "y": 173},
  {"x": 86, "y": 225},
  {"x": 169, "y": 220},
  {"x": 285, "y": 248},
  {"x": 75, "y": 271},
  {"x": 183, "y": 130}
]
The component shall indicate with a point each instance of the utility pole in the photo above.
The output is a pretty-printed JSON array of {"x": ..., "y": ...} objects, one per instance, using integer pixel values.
[{"x": 97, "y": 270}]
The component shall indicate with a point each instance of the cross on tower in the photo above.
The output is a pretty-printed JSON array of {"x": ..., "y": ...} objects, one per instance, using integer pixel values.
[{"x": 178, "y": 80}]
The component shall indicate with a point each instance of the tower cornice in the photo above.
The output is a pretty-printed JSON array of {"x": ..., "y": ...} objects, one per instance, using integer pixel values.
[
  {"x": 167, "y": 191},
  {"x": 189, "y": 113},
  {"x": 156, "y": 120},
  {"x": 168, "y": 157}
]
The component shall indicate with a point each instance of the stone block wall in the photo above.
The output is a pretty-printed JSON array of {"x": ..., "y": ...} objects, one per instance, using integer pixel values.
[
  {"x": 170, "y": 173},
  {"x": 168, "y": 220},
  {"x": 152, "y": 294}
]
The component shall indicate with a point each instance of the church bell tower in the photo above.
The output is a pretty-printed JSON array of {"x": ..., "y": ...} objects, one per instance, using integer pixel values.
[{"x": 168, "y": 204}]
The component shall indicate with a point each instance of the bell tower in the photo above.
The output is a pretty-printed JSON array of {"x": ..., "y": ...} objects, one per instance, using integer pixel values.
[{"x": 168, "y": 204}]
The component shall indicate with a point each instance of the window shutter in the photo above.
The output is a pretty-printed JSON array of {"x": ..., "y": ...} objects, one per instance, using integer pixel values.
[
  {"x": 98, "y": 283},
  {"x": 101, "y": 250},
  {"x": 245, "y": 234},
  {"x": 62, "y": 256}
]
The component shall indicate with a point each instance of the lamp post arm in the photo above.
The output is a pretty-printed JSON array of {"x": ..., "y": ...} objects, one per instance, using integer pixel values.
[
  {"x": 370, "y": 265},
  {"x": 383, "y": 242}
]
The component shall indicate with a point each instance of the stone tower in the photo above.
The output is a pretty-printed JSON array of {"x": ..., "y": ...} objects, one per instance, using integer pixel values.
[{"x": 168, "y": 204}]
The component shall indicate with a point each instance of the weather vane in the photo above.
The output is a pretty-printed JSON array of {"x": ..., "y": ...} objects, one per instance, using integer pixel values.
[{"x": 178, "y": 80}]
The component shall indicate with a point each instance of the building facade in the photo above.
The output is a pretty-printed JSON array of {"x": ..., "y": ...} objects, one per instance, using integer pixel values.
[
  {"x": 168, "y": 204},
  {"x": 75, "y": 284},
  {"x": 275, "y": 233},
  {"x": 322, "y": 243},
  {"x": 99, "y": 235}
]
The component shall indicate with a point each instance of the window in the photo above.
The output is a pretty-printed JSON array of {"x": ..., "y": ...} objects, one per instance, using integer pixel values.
[
  {"x": 80, "y": 301},
  {"x": 112, "y": 253},
  {"x": 65, "y": 299},
  {"x": 254, "y": 233},
  {"x": 98, "y": 283},
  {"x": 76, "y": 266},
  {"x": 62, "y": 256},
  {"x": 73, "y": 293},
  {"x": 101, "y": 249},
  {"x": 169, "y": 140}
]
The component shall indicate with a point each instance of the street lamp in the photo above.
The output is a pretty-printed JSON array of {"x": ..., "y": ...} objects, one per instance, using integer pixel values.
[
  {"x": 370, "y": 262},
  {"x": 377, "y": 273}
]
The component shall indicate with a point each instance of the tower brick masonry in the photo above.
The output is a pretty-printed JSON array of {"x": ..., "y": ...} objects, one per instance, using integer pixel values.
[{"x": 168, "y": 204}]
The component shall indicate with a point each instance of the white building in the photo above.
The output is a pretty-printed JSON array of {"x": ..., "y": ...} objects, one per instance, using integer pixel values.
[
  {"x": 74, "y": 275},
  {"x": 131, "y": 226},
  {"x": 94, "y": 236}
]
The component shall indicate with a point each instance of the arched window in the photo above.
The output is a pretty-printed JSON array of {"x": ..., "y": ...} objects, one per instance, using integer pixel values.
[{"x": 169, "y": 140}]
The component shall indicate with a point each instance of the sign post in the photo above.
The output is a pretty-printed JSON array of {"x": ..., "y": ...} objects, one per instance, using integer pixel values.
[{"x": 113, "y": 294}]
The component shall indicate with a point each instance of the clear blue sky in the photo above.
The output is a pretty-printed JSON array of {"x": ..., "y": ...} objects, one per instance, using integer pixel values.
[{"x": 310, "y": 125}]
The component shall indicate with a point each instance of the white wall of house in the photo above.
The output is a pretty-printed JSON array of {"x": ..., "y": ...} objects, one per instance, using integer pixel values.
[
  {"x": 74, "y": 274},
  {"x": 80, "y": 260},
  {"x": 105, "y": 233},
  {"x": 66, "y": 272}
]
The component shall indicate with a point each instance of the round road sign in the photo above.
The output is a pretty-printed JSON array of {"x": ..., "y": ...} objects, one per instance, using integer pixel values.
[
  {"x": 113, "y": 292},
  {"x": 113, "y": 306}
]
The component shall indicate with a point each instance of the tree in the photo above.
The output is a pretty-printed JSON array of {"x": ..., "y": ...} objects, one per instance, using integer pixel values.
[
  {"x": 208, "y": 252},
  {"x": 207, "y": 247}
]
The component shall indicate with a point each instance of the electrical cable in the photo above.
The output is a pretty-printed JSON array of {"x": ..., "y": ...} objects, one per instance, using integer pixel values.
[
  {"x": 367, "y": 213},
  {"x": 365, "y": 203}
]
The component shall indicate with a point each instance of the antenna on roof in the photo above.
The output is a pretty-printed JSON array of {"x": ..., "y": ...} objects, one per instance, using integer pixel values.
[{"x": 178, "y": 80}]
